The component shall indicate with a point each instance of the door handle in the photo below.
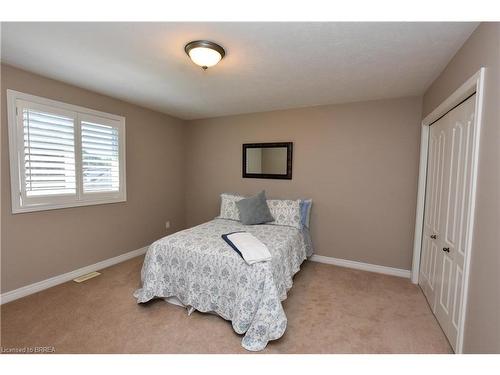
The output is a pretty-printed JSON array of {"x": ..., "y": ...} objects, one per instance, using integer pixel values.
[
  {"x": 446, "y": 249},
  {"x": 433, "y": 236}
]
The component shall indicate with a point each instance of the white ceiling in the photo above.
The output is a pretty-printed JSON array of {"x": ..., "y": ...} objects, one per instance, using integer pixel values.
[{"x": 268, "y": 66}]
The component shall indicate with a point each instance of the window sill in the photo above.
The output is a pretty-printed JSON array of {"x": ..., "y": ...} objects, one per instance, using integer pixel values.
[{"x": 47, "y": 207}]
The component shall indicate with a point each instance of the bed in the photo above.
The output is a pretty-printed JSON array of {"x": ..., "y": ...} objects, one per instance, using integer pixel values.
[{"x": 198, "y": 270}]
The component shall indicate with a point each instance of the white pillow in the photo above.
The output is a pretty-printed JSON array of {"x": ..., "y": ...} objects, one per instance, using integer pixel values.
[
  {"x": 285, "y": 212},
  {"x": 228, "y": 208}
]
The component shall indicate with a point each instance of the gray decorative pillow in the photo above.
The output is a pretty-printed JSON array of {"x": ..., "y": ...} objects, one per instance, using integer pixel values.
[{"x": 254, "y": 210}]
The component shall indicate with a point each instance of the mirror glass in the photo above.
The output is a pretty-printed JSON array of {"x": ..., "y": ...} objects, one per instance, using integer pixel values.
[{"x": 269, "y": 160}]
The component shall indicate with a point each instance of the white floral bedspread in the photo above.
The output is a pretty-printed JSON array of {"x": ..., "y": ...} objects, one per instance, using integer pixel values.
[{"x": 202, "y": 271}]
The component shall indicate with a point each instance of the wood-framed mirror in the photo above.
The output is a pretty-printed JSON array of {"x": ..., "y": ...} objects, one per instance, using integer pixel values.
[{"x": 267, "y": 160}]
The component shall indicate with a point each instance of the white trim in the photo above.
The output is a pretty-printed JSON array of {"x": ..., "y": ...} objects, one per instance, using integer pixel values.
[
  {"x": 56, "y": 206},
  {"x": 361, "y": 266},
  {"x": 56, "y": 280},
  {"x": 63, "y": 106},
  {"x": 20, "y": 203},
  {"x": 473, "y": 84},
  {"x": 419, "y": 221},
  {"x": 479, "y": 85},
  {"x": 458, "y": 96}
]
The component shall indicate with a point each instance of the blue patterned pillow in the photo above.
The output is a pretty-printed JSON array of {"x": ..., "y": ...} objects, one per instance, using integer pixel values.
[{"x": 305, "y": 212}]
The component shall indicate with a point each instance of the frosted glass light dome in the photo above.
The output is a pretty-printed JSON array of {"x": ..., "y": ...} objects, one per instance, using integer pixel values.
[{"x": 204, "y": 53}]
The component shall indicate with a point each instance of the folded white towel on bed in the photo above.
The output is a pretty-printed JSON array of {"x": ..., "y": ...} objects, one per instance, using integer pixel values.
[{"x": 251, "y": 249}]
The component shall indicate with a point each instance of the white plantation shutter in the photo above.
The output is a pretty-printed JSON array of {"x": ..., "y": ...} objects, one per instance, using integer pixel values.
[
  {"x": 62, "y": 155},
  {"x": 49, "y": 153},
  {"x": 100, "y": 157}
]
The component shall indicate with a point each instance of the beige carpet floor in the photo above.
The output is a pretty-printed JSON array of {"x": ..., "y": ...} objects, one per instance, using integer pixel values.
[{"x": 329, "y": 309}]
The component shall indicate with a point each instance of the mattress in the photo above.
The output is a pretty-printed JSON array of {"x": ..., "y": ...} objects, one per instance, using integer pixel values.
[{"x": 203, "y": 273}]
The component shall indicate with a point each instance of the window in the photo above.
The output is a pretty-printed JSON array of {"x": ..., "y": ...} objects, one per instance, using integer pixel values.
[{"x": 63, "y": 155}]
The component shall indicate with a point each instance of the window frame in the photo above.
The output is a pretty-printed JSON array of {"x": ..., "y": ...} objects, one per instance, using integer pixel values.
[{"x": 20, "y": 202}]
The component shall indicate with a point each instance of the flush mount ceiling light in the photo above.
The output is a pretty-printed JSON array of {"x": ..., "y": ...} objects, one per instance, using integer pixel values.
[{"x": 204, "y": 53}]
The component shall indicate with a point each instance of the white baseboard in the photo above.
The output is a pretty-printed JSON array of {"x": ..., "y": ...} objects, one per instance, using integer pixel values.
[
  {"x": 56, "y": 280},
  {"x": 361, "y": 266}
]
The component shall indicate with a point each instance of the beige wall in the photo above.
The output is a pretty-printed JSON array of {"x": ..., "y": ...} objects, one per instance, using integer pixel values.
[
  {"x": 39, "y": 245},
  {"x": 482, "y": 334},
  {"x": 358, "y": 162}
]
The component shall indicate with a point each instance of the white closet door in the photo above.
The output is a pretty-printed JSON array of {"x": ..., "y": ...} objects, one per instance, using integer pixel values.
[
  {"x": 433, "y": 209},
  {"x": 445, "y": 225},
  {"x": 458, "y": 184}
]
